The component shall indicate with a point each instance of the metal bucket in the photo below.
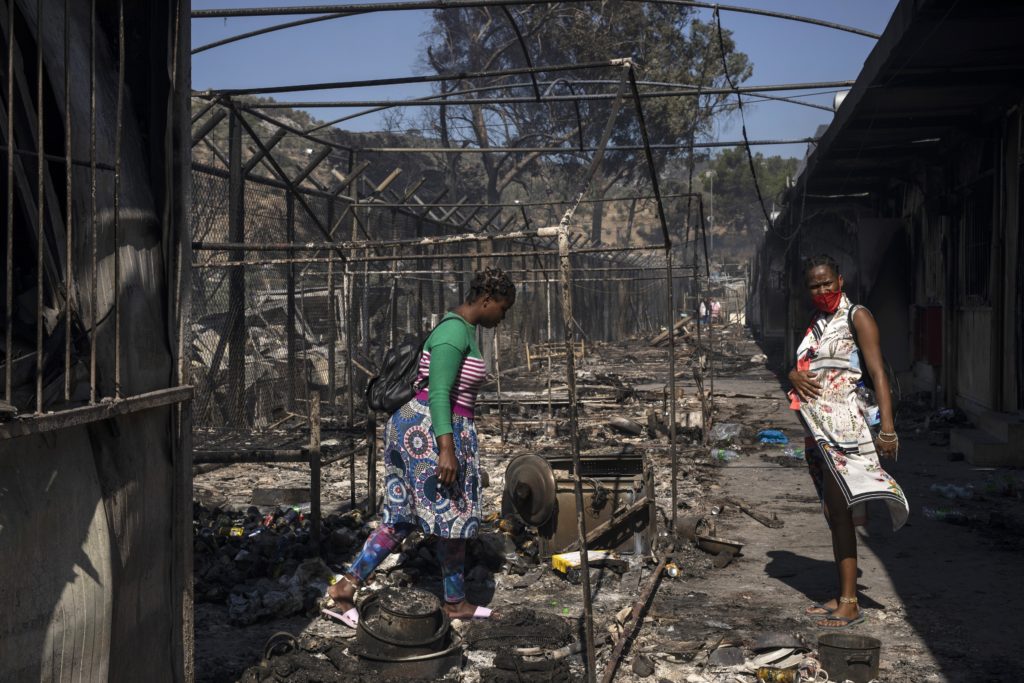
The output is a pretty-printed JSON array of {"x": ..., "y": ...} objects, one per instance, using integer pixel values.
[{"x": 846, "y": 656}]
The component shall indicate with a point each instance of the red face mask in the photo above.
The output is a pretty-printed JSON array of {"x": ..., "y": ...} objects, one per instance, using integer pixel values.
[{"x": 827, "y": 302}]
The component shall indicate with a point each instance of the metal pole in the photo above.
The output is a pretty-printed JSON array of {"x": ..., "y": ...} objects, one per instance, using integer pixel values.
[
  {"x": 673, "y": 456},
  {"x": 371, "y": 463},
  {"x": 69, "y": 196},
  {"x": 41, "y": 203},
  {"x": 450, "y": 4},
  {"x": 118, "y": 135},
  {"x": 332, "y": 336},
  {"x": 314, "y": 469},
  {"x": 93, "y": 211},
  {"x": 349, "y": 325},
  {"x": 236, "y": 281},
  {"x": 9, "y": 298},
  {"x": 290, "y": 301},
  {"x": 497, "y": 379},
  {"x": 574, "y": 430}
]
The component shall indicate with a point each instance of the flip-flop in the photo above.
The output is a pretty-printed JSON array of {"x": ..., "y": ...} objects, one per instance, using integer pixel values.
[
  {"x": 847, "y": 622},
  {"x": 818, "y": 605},
  {"x": 349, "y": 618}
]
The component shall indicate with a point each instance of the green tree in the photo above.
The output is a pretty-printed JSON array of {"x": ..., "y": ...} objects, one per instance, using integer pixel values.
[
  {"x": 668, "y": 44},
  {"x": 736, "y": 205}
]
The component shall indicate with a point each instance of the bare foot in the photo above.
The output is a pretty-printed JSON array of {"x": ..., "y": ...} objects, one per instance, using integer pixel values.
[{"x": 823, "y": 609}]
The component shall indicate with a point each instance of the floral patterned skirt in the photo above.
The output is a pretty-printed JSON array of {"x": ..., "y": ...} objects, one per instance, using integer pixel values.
[
  {"x": 852, "y": 460},
  {"x": 412, "y": 492}
]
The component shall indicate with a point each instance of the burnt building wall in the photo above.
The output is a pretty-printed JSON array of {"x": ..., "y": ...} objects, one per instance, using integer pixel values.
[{"x": 95, "y": 499}]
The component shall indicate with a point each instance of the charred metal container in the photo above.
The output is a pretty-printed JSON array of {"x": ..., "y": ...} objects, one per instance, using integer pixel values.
[
  {"x": 613, "y": 481},
  {"x": 403, "y": 623},
  {"x": 846, "y": 656},
  {"x": 406, "y": 634}
]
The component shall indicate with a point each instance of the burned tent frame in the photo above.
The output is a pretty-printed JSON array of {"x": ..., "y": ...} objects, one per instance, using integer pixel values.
[{"x": 543, "y": 241}]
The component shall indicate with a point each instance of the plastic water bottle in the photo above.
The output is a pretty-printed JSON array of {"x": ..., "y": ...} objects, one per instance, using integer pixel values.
[
  {"x": 724, "y": 455},
  {"x": 945, "y": 515},
  {"x": 795, "y": 453},
  {"x": 868, "y": 404}
]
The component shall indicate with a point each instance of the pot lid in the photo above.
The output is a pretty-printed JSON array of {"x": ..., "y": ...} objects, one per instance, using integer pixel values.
[{"x": 530, "y": 486}]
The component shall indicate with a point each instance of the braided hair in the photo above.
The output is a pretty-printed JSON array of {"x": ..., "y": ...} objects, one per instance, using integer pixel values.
[
  {"x": 492, "y": 282},
  {"x": 821, "y": 260}
]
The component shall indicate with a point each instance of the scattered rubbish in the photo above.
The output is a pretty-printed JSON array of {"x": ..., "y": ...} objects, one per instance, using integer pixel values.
[
  {"x": 772, "y": 522},
  {"x": 723, "y": 455},
  {"x": 795, "y": 453},
  {"x": 953, "y": 490},
  {"x": 1005, "y": 485},
  {"x": 280, "y": 496},
  {"x": 693, "y": 525},
  {"x": 945, "y": 515},
  {"x": 563, "y": 562},
  {"x": 626, "y": 426},
  {"x": 772, "y": 674},
  {"x": 729, "y": 655},
  {"x": 778, "y": 640},
  {"x": 759, "y": 358},
  {"x": 723, "y": 549},
  {"x": 772, "y": 436},
  {"x": 643, "y": 666},
  {"x": 725, "y": 432},
  {"x": 672, "y": 570}
]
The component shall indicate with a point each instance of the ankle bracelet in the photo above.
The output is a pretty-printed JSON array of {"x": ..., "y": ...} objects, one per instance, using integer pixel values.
[{"x": 848, "y": 601}]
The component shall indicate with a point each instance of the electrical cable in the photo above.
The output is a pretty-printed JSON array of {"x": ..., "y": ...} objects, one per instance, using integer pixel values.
[{"x": 743, "y": 118}]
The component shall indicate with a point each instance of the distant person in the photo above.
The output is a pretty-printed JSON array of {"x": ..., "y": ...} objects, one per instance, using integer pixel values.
[
  {"x": 703, "y": 312},
  {"x": 716, "y": 310},
  {"x": 430, "y": 453},
  {"x": 841, "y": 448}
]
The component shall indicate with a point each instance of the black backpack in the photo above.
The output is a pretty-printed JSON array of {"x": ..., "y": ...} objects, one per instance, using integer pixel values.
[
  {"x": 395, "y": 384},
  {"x": 894, "y": 387}
]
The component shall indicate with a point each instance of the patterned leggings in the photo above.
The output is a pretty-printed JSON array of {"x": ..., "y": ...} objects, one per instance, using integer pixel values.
[{"x": 382, "y": 542}]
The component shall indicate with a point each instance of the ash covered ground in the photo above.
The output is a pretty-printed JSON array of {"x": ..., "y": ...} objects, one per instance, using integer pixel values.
[{"x": 258, "y": 574}]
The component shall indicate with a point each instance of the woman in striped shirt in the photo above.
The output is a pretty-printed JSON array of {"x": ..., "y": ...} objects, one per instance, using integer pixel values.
[{"x": 430, "y": 453}]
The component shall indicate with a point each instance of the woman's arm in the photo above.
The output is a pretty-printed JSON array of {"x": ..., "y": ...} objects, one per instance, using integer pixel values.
[
  {"x": 445, "y": 360},
  {"x": 871, "y": 352}
]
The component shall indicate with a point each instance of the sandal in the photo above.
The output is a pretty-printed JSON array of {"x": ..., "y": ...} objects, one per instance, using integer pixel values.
[
  {"x": 328, "y": 606},
  {"x": 847, "y": 622}
]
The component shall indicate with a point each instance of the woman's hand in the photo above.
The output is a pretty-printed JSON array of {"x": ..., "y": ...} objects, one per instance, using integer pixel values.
[
  {"x": 447, "y": 465},
  {"x": 887, "y": 446},
  {"x": 806, "y": 384}
]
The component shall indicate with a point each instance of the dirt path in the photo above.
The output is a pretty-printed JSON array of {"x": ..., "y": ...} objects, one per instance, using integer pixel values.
[{"x": 941, "y": 598}]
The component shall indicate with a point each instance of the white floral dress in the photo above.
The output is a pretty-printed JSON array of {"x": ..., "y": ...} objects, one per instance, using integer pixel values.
[{"x": 839, "y": 436}]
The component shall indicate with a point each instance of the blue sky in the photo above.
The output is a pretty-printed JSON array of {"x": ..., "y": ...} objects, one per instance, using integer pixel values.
[{"x": 389, "y": 44}]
